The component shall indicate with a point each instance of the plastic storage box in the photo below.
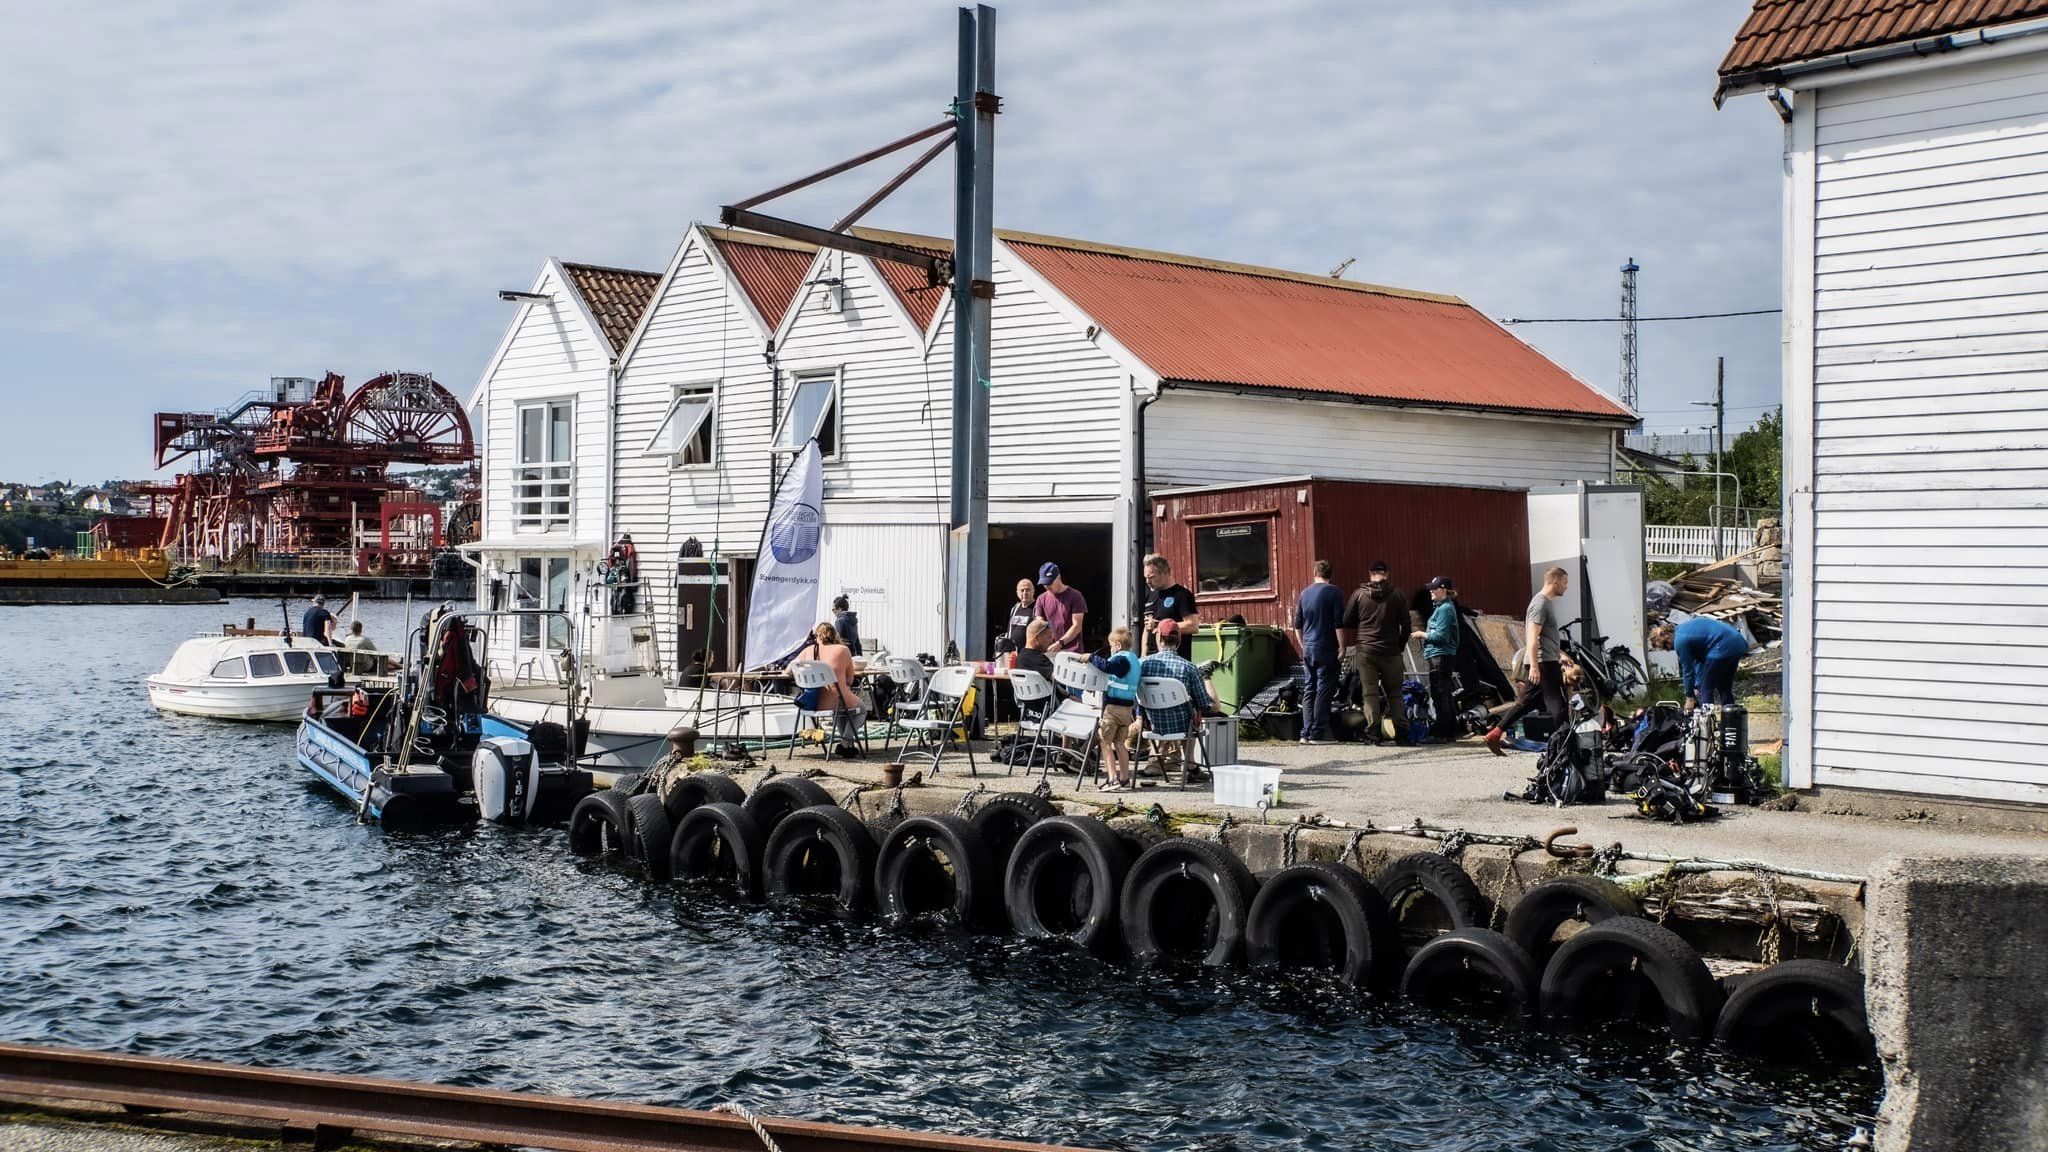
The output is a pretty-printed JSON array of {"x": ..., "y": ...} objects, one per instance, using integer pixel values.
[
  {"x": 1219, "y": 740},
  {"x": 1247, "y": 785}
]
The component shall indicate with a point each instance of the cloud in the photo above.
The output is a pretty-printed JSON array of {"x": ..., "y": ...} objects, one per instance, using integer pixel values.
[{"x": 232, "y": 191}]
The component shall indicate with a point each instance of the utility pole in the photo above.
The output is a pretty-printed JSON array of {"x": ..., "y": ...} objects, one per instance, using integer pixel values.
[
  {"x": 974, "y": 112},
  {"x": 1720, "y": 430}
]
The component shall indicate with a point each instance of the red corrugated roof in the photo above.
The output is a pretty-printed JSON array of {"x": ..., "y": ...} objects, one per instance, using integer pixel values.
[
  {"x": 1201, "y": 321},
  {"x": 1781, "y": 32},
  {"x": 616, "y": 297},
  {"x": 770, "y": 270},
  {"x": 910, "y": 284}
]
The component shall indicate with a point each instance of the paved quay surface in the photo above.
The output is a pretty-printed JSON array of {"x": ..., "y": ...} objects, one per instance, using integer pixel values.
[
  {"x": 1460, "y": 785},
  {"x": 52, "y": 1135}
]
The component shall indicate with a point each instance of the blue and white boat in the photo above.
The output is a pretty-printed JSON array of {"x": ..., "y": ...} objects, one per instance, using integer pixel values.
[{"x": 425, "y": 748}]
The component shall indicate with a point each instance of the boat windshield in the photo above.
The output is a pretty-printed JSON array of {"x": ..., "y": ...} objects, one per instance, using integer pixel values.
[
  {"x": 263, "y": 665},
  {"x": 327, "y": 662},
  {"x": 230, "y": 669}
]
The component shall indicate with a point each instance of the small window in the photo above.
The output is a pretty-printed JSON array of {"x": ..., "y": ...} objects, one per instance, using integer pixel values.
[
  {"x": 1234, "y": 557},
  {"x": 230, "y": 669},
  {"x": 685, "y": 434},
  {"x": 813, "y": 414},
  {"x": 327, "y": 662},
  {"x": 298, "y": 663},
  {"x": 263, "y": 665}
]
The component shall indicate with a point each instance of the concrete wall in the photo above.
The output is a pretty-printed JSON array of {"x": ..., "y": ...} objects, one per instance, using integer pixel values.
[{"x": 1954, "y": 950}]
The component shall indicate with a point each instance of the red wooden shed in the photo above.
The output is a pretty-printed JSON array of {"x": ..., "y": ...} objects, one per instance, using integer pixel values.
[{"x": 1247, "y": 549}]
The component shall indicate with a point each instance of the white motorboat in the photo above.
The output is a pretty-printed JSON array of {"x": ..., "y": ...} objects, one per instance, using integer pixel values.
[
  {"x": 243, "y": 677},
  {"x": 631, "y": 715}
]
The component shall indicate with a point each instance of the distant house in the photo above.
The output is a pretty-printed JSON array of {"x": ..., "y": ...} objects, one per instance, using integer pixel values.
[
  {"x": 1916, "y": 405},
  {"x": 94, "y": 500},
  {"x": 1116, "y": 372}
]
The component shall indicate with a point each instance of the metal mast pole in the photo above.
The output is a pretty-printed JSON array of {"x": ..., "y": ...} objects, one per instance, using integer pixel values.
[
  {"x": 981, "y": 292},
  {"x": 963, "y": 255},
  {"x": 1628, "y": 332}
]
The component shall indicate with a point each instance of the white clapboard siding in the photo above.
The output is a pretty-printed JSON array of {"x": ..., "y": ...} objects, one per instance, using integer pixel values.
[
  {"x": 1206, "y": 438},
  {"x": 1928, "y": 630},
  {"x": 894, "y": 577}
]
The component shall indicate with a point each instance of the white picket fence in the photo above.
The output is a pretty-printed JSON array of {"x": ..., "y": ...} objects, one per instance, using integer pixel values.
[{"x": 1691, "y": 544}]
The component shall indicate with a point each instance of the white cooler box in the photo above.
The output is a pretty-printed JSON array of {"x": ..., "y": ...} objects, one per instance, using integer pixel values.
[{"x": 1247, "y": 785}]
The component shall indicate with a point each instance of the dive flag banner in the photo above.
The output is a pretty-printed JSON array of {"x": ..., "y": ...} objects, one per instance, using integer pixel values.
[{"x": 784, "y": 605}]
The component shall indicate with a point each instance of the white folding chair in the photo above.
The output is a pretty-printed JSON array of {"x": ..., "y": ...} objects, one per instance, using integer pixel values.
[
  {"x": 946, "y": 699},
  {"x": 1034, "y": 696},
  {"x": 1163, "y": 694},
  {"x": 909, "y": 676},
  {"x": 1076, "y": 719},
  {"x": 818, "y": 674}
]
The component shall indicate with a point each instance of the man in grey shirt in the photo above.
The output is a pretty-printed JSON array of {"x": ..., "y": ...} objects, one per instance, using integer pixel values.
[{"x": 1542, "y": 655}]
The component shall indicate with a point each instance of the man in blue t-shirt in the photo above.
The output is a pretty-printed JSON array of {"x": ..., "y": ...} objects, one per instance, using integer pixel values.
[
  {"x": 317, "y": 624},
  {"x": 1317, "y": 613},
  {"x": 1708, "y": 652}
]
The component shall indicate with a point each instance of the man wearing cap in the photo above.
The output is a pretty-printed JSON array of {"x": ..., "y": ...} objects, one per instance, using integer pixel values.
[
  {"x": 318, "y": 623},
  {"x": 1377, "y": 616},
  {"x": 1167, "y": 663},
  {"x": 1062, "y": 608},
  {"x": 1440, "y": 647}
]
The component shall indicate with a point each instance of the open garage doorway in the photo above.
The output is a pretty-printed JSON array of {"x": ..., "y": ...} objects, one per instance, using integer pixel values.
[{"x": 1085, "y": 554}]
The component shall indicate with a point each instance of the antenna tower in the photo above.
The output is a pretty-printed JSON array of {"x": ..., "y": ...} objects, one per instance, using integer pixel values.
[{"x": 1628, "y": 332}]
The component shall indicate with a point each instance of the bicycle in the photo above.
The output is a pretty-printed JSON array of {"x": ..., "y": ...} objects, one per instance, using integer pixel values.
[{"x": 1613, "y": 673}]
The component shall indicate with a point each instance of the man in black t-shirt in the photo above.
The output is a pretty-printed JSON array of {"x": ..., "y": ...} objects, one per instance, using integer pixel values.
[
  {"x": 1021, "y": 613},
  {"x": 1166, "y": 600}
]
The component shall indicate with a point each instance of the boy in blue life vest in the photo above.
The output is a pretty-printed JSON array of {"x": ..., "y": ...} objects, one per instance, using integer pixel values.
[{"x": 1440, "y": 648}]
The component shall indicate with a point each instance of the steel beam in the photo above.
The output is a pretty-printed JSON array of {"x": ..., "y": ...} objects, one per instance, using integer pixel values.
[
  {"x": 980, "y": 295},
  {"x": 939, "y": 268},
  {"x": 844, "y": 165},
  {"x": 314, "y": 1102}
]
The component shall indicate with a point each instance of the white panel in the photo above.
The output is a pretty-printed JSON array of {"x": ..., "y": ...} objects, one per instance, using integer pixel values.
[
  {"x": 894, "y": 577},
  {"x": 1614, "y": 565},
  {"x": 1556, "y": 528}
]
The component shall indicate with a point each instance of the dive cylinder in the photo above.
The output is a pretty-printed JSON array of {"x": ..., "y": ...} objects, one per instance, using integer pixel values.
[{"x": 506, "y": 777}]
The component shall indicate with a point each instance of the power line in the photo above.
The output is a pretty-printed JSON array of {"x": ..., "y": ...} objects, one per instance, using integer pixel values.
[{"x": 1639, "y": 319}]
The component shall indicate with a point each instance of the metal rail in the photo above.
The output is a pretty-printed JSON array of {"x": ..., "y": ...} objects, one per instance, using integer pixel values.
[{"x": 325, "y": 1110}]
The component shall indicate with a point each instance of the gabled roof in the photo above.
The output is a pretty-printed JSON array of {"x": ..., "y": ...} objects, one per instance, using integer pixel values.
[
  {"x": 1780, "y": 32},
  {"x": 909, "y": 283},
  {"x": 1208, "y": 322},
  {"x": 616, "y": 297},
  {"x": 770, "y": 270}
]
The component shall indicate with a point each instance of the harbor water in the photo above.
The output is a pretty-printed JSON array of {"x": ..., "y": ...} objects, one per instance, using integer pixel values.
[{"x": 177, "y": 887}]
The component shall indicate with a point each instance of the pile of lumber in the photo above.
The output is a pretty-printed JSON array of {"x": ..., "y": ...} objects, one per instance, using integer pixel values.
[{"x": 1741, "y": 590}]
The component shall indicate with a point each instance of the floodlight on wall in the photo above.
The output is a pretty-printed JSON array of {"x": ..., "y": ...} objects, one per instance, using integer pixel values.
[{"x": 509, "y": 294}]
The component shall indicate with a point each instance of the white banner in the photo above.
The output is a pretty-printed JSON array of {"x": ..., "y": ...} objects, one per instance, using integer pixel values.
[{"x": 784, "y": 605}]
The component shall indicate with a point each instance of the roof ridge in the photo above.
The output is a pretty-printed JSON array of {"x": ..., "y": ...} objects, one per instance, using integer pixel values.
[
  {"x": 610, "y": 268},
  {"x": 757, "y": 239},
  {"x": 1047, "y": 241}
]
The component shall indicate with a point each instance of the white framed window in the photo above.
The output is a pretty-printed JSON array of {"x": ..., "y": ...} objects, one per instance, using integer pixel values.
[
  {"x": 689, "y": 429},
  {"x": 541, "y": 482},
  {"x": 542, "y": 582},
  {"x": 813, "y": 412}
]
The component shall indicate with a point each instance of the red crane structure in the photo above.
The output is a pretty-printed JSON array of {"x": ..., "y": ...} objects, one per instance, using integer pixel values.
[{"x": 299, "y": 477}]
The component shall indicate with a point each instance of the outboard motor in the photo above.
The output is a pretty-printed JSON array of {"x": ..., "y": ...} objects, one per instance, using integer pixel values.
[{"x": 506, "y": 776}]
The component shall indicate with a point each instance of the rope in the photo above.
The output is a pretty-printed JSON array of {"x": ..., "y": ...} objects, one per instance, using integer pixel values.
[
  {"x": 1606, "y": 858},
  {"x": 969, "y": 801},
  {"x": 1044, "y": 789},
  {"x": 1228, "y": 820},
  {"x": 1510, "y": 874},
  {"x": 1770, "y": 943},
  {"x": 852, "y": 801},
  {"x": 1287, "y": 848},
  {"x": 895, "y": 812},
  {"x": 753, "y": 1121}
]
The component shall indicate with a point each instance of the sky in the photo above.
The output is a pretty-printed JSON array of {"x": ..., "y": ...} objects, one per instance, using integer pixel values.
[{"x": 195, "y": 197}]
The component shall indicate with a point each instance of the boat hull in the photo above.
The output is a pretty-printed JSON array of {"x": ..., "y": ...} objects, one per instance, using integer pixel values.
[
  {"x": 631, "y": 738},
  {"x": 281, "y": 701},
  {"x": 417, "y": 796}
]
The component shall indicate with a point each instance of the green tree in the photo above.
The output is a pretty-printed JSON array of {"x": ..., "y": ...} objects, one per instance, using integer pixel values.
[{"x": 1756, "y": 457}]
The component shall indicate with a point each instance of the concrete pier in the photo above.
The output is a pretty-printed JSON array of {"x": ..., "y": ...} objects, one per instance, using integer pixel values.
[{"x": 1954, "y": 955}]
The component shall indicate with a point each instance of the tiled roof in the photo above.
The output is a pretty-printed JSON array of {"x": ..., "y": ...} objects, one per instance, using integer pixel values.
[
  {"x": 615, "y": 296},
  {"x": 770, "y": 270},
  {"x": 1780, "y": 32},
  {"x": 1204, "y": 321},
  {"x": 911, "y": 285}
]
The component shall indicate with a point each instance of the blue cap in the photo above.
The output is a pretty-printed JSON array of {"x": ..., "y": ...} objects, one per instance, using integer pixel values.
[{"x": 1048, "y": 572}]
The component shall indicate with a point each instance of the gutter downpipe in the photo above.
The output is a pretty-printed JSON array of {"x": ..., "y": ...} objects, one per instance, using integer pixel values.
[
  {"x": 1141, "y": 514},
  {"x": 1746, "y": 82}
]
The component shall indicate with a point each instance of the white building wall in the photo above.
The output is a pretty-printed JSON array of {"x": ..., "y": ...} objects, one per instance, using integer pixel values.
[
  {"x": 1917, "y": 431},
  {"x": 1194, "y": 437}
]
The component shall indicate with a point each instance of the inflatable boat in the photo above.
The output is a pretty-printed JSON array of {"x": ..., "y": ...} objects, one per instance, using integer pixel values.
[{"x": 426, "y": 748}]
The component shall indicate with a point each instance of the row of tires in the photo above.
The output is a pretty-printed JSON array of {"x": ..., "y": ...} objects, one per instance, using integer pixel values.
[{"x": 1573, "y": 950}]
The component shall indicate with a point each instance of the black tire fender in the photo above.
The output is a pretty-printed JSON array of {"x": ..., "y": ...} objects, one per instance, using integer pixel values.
[
  {"x": 1002, "y": 819},
  {"x": 1799, "y": 1012},
  {"x": 1187, "y": 899},
  {"x": 1428, "y": 893},
  {"x": 935, "y": 868},
  {"x": 1534, "y": 920},
  {"x": 1064, "y": 880},
  {"x": 719, "y": 842},
  {"x": 775, "y": 798},
  {"x": 1632, "y": 969},
  {"x": 597, "y": 825},
  {"x": 1468, "y": 967},
  {"x": 1325, "y": 916},
  {"x": 820, "y": 852},
  {"x": 649, "y": 832},
  {"x": 700, "y": 788}
]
